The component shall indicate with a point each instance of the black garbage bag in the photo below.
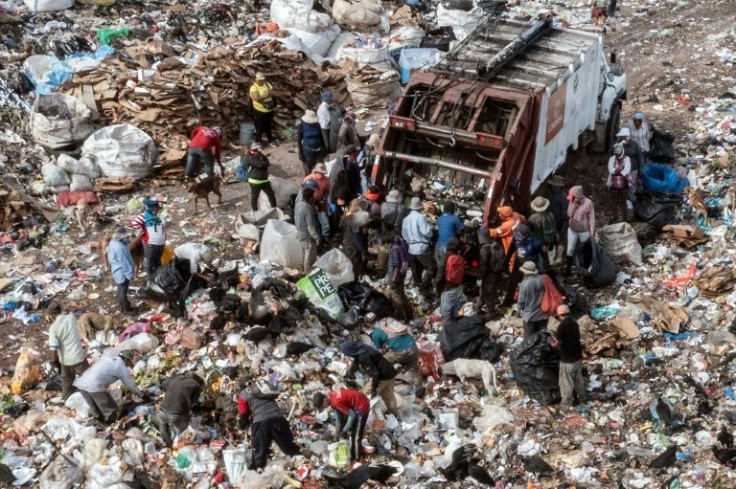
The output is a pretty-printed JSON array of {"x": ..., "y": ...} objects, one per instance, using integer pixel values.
[
  {"x": 439, "y": 38},
  {"x": 573, "y": 298},
  {"x": 593, "y": 266},
  {"x": 172, "y": 278},
  {"x": 656, "y": 208},
  {"x": 536, "y": 365},
  {"x": 365, "y": 298},
  {"x": 661, "y": 147},
  {"x": 468, "y": 337}
]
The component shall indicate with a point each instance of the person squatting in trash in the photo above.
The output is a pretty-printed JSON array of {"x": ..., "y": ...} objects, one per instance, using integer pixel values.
[
  {"x": 204, "y": 149},
  {"x": 449, "y": 281},
  {"x": 122, "y": 267},
  {"x": 398, "y": 346},
  {"x": 257, "y": 406},
  {"x": 371, "y": 363},
  {"x": 153, "y": 235},
  {"x": 351, "y": 412},
  {"x": 93, "y": 384},
  {"x": 570, "y": 348},
  {"x": 182, "y": 394}
]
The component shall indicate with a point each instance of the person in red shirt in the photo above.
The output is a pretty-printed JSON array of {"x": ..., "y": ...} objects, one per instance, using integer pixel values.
[
  {"x": 352, "y": 408},
  {"x": 205, "y": 141},
  {"x": 320, "y": 182}
]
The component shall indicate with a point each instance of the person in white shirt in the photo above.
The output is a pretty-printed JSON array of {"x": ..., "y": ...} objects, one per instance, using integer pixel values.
[
  {"x": 641, "y": 132},
  {"x": 95, "y": 381},
  {"x": 323, "y": 117},
  {"x": 619, "y": 180},
  {"x": 417, "y": 233},
  {"x": 67, "y": 351},
  {"x": 200, "y": 256}
]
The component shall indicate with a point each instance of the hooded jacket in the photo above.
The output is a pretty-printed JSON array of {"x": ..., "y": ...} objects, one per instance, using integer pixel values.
[{"x": 582, "y": 214}]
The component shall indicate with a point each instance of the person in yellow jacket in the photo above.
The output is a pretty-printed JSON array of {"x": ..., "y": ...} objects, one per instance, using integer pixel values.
[{"x": 261, "y": 93}]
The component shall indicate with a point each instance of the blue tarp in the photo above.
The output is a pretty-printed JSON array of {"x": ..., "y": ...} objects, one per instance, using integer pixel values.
[
  {"x": 61, "y": 71},
  {"x": 661, "y": 178}
]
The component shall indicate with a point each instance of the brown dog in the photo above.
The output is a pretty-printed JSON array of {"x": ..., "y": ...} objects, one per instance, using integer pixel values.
[
  {"x": 80, "y": 213},
  {"x": 698, "y": 204},
  {"x": 135, "y": 247},
  {"x": 202, "y": 190},
  {"x": 91, "y": 322}
]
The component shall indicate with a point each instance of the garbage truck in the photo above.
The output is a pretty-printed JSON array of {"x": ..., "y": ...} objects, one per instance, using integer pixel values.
[{"x": 488, "y": 123}]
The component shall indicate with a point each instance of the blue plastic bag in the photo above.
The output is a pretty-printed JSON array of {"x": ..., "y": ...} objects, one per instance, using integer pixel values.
[{"x": 661, "y": 178}]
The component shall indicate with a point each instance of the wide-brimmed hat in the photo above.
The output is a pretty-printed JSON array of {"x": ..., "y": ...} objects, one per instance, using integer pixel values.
[
  {"x": 416, "y": 204},
  {"x": 309, "y": 117},
  {"x": 556, "y": 181},
  {"x": 260, "y": 76},
  {"x": 320, "y": 168},
  {"x": 529, "y": 268},
  {"x": 393, "y": 197},
  {"x": 373, "y": 140},
  {"x": 539, "y": 204}
]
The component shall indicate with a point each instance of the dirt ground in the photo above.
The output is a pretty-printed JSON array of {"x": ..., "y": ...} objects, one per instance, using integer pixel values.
[{"x": 666, "y": 47}]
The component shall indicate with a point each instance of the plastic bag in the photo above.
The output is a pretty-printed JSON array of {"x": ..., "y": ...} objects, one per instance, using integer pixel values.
[
  {"x": 375, "y": 91},
  {"x": 468, "y": 337},
  {"x": 48, "y": 5},
  {"x": 552, "y": 298},
  {"x": 237, "y": 461},
  {"x": 661, "y": 147},
  {"x": 319, "y": 290},
  {"x": 430, "y": 357},
  {"x": 339, "y": 454},
  {"x": 378, "y": 57},
  {"x": 408, "y": 36},
  {"x": 536, "y": 367},
  {"x": 462, "y": 22},
  {"x": 54, "y": 176},
  {"x": 299, "y": 14},
  {"x": 317, "y": 42},
  {"x": 81, "y": 183},
  {"x": 619, "y": 242},
  {"x": 27, "y": 371},
  {"x": 78, "y": 404},
  {"x": 74, "y": 166},
  {"x": 121, "y": 150},
  {"x": 656, "y": 209},
  {"x": 593, "y": 266},
  {"x": 662, "y": 178},
  {"x": 280, "y": 244},
  {"x": 59, "y": 120},
  {"x": 367, "y": 299},
  {"x": 357, "y": 14},
  {"x": 336, "y": 266},
  {"x": 142, "y": 342},
  {"x": 60, "y": 474}
]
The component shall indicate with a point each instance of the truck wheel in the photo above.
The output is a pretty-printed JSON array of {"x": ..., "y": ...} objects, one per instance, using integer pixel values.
[{"x": 614, "y": 121}]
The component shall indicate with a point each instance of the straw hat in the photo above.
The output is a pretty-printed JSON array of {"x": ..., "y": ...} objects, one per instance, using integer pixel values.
[
  {"x": 556, "y": 181},
  {"x": 416, "y": 204},
  {"x": 260, "y": 76},
  {"x": 320, "y": 168},
  {"x": 540, "y": 204},
  {"x": 529, "y": 268},
  {"x": 309, "y": 117},
  {"x": 393, "y": 197}
]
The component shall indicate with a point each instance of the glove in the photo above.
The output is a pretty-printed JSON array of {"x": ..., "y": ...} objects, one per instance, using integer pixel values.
[
  {"x": 243, "y": 422},
  {"x": 478, "y": 283}
]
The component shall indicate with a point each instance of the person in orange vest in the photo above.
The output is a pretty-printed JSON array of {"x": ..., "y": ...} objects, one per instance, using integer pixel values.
[{"x": 510, "y": 222}]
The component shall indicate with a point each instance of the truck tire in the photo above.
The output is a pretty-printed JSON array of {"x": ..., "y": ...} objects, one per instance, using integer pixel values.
[{"x": 614, "y": 122}]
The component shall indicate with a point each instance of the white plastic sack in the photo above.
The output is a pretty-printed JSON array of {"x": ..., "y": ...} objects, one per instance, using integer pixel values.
[
  {"x": 378, "y": 92},
  {"x": 73, "y": 165},
  {"x": 81, "y": 183},
  {"x": 299, "y": 14},
  {"x": 317, "y": 42},
  {"x": 60, "y": 474},
  {"x": 318, "y": 288},
  {"x": 620, "y": 243},
  {"x": 48, "y": 5},
  {"x": 461, "y": 22},
  {"x": 377, "y": 57},
  {"x": 142, "y": 342},
  {"x": 408, "y": 36},
  {"x": 58, "y": 120},
  {"x": 121, "y": 150},
  {"x": 39, "y": 66},
  {"x": 280, "y": 244},
  {"x": 283, "y": 189},
  {"x": 335, "y": 52},
  {"x": 236, "y": 462},
  {"x": 358, "y": 14},
  {"x": 337, "y": 266},
  {"x": 54, "y": 176}
]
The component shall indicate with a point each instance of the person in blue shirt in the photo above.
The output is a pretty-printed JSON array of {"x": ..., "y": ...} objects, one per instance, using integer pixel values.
[
  {"x": 398, "y": 346},
  {"x": 448, "y": 226},
  {"x": 122, "y": 267},
  {"x": 530, "y": 248}
]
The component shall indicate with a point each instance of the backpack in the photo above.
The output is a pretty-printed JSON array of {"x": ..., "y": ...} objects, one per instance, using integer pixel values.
[
  {"x": 455, "y": 269},
  {"x": 552, "y": 298}
]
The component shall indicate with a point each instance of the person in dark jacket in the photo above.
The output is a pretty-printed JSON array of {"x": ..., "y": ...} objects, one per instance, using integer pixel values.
[
  {"x": 182, "y": 394},
  {"x": 490, "y": 267},
  {"x": 397, "y": 266},
  {"x": 257, "y": 405},
  {"x": 354, "y": 241},
  {"x": 530, "y": 248},
  {"x": 393, "y": 212},
  {"x": 257, "y": 164},
  {"x": 558, "y": 207},
  {"x": 310, "y": 142},
  {"x": 571, "y": 358},
  {"x": 351, "y": 412},
  {"x": 370, "y": 361}
]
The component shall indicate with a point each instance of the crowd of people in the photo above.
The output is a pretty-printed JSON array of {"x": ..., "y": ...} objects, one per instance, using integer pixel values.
[{"x": 510, "y": 264}]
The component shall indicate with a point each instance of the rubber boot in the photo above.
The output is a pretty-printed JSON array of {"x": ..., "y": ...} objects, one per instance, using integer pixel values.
[{"x": 568, "y": 266}]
